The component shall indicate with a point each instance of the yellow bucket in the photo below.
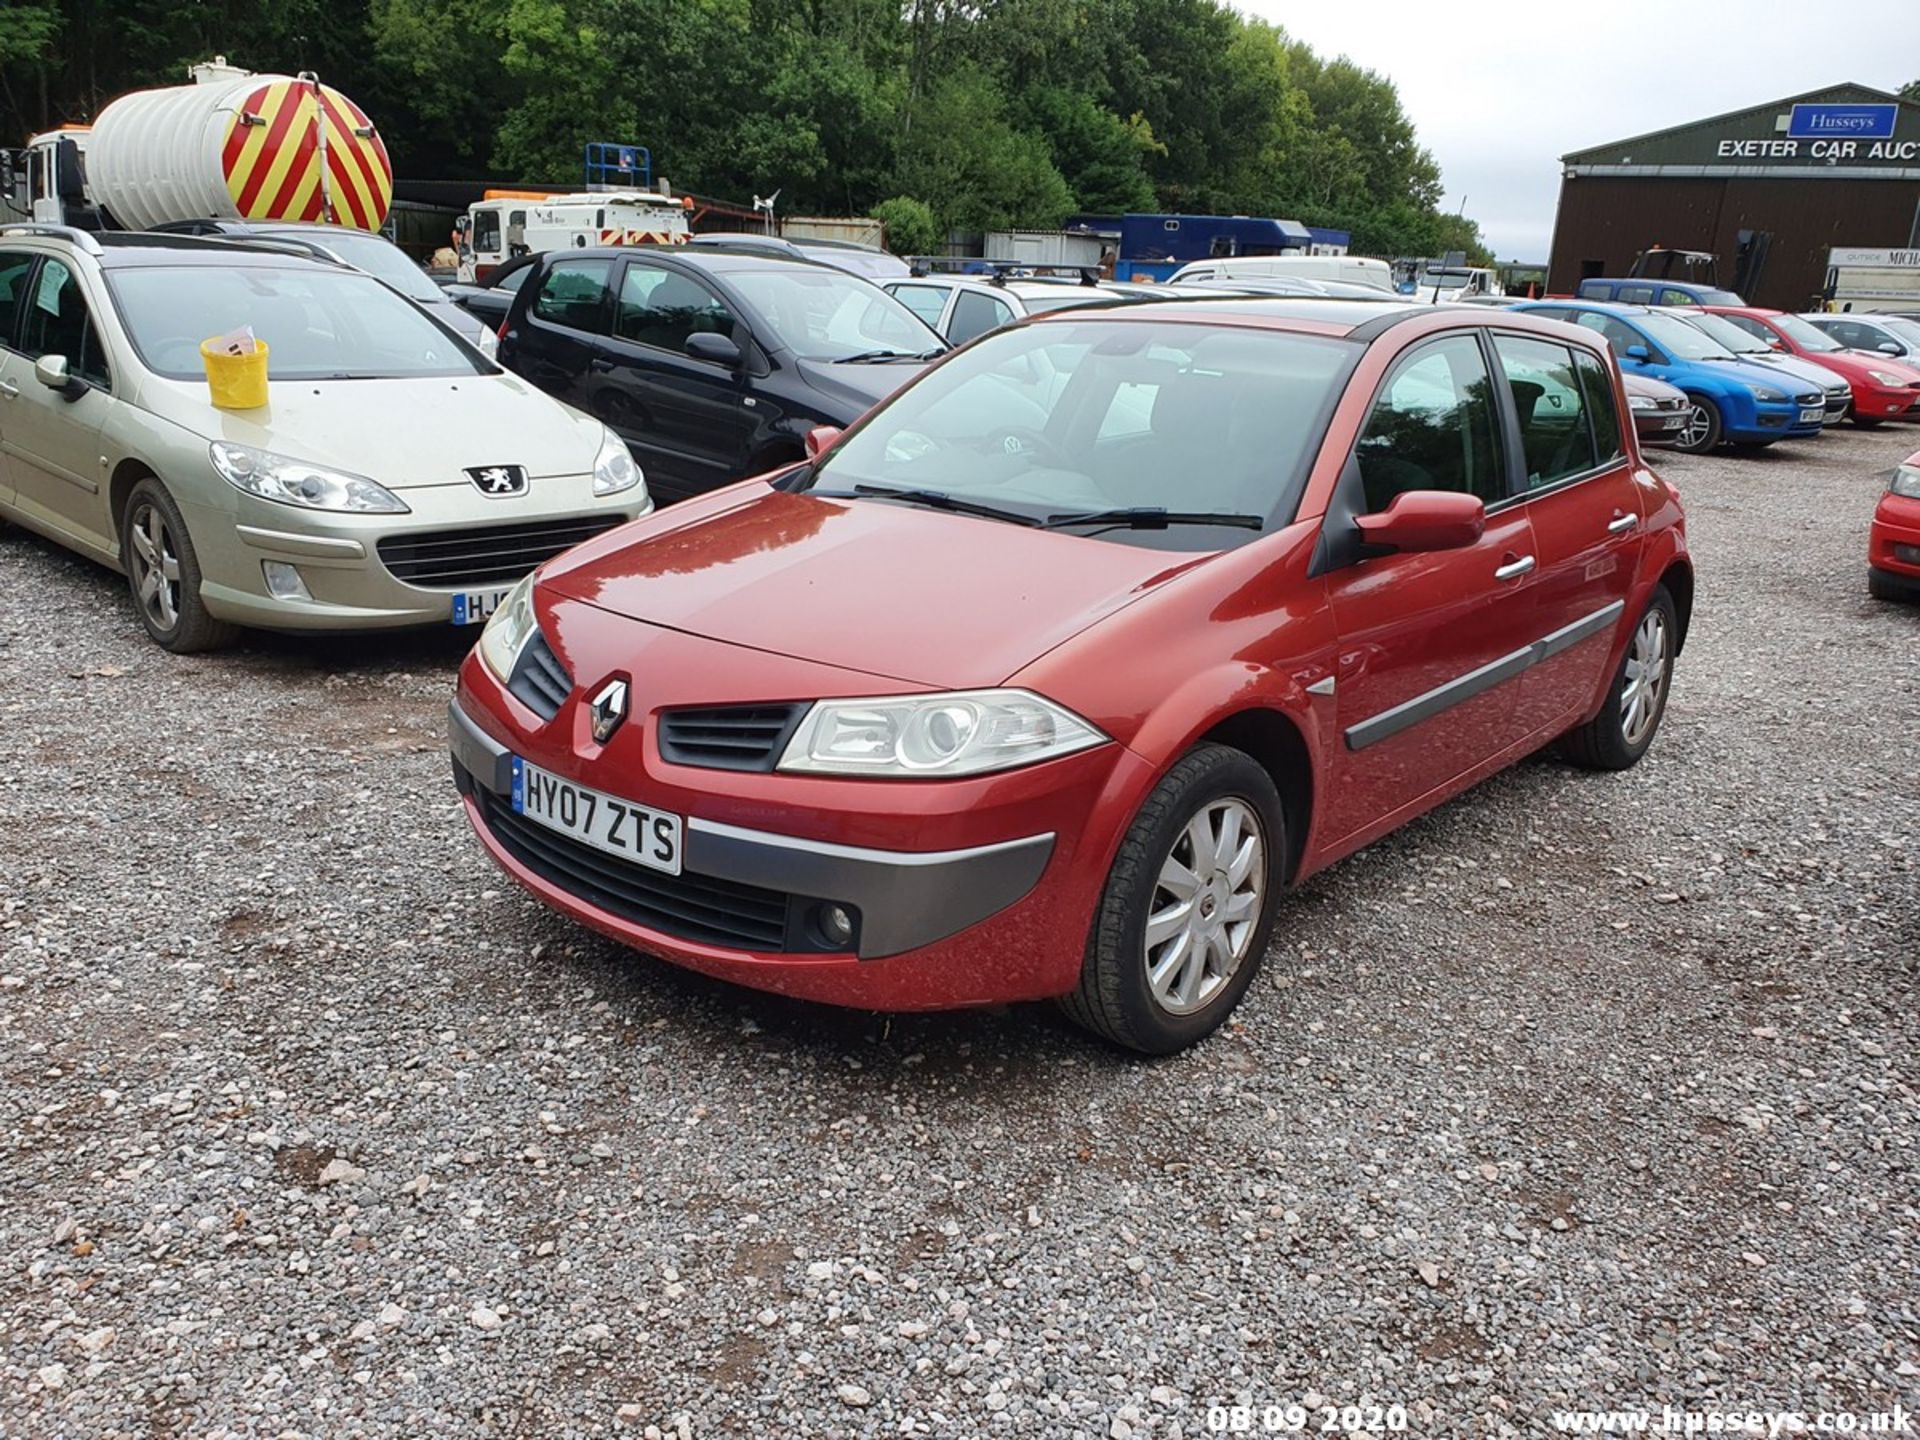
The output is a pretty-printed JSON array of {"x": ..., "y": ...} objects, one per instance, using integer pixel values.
[{"x": 238, "y": 382}]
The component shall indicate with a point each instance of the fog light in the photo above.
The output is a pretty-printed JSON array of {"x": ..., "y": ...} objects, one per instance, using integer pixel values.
[
  {"x": 284, "y": 582},
  {"x": 1907, "y": 554},
  {"x": 835, "y": 923}
]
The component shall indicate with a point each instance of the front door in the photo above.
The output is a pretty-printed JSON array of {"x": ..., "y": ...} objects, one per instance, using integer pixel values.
[
  {"x": 51, "y": 438},
  {"x": 560, "y": 338},
  {"x": 1586, "y": 502},
  {"x": 687, "y": 420},
  {"x": 1430, "y": 645},
  {"x": 16, "y": 269}
]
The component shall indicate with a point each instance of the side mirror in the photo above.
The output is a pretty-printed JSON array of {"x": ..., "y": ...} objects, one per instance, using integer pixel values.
[
  {"x": 821, "y": 439},
  {"x": 51, "y": 371},
  {"x": 1776, "y": 342},
  {"x": 1425, "y": 520},
  {"x": 716, "y": 349},
  {"x": 1638, "y": 353},
  {"x": 1887, "y": 347}
]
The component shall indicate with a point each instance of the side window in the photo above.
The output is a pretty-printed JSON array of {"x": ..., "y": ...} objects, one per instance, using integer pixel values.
[
  {"x": 1677, "y": 297},
  {"x": 662, "y": 308},
  {"x": 1752, "y": 326},
  {"x": 14, "y": 268},
  {"x": 1635, "y": 295},
  {"x": 56, "y": 322},
  {"x": 1618, "y": 336},
  {"x": 486, "y": 230},
  {"x": 975, "y": 314},
  {"x": 1554, "y": 439},
  {"x": 1432, "y": 427},
  {"x": 574, "y": 294},
  {"x": 926, "y": 301},
  {"x": 1596, "y": 383}
]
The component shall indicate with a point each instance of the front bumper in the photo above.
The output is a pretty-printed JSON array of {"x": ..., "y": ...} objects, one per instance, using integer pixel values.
[
  {"x": 1893, "y": 539},
  {"x": 904, "y": 899},
  {"x": 350, "y": 584}
]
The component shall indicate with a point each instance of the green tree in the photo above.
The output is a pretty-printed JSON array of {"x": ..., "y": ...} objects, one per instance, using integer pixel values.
[{"x": 911, "y": 228}]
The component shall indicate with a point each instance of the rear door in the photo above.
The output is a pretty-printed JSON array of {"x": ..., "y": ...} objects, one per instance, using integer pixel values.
[
  {"x": 51, "y": 440},
  {"x": 558, "y": 338},
  {"x": 16, "y": 271},
  {"x": 1431, "y": 645},
  {"x": 689, "y": 421},
  {"x": 1578, "y": 487}
]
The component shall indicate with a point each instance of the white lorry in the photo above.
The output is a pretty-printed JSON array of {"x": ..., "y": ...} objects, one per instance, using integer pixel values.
[
  {"x": 1886, "y": 281},
  {"x": 506, "y": 224}
]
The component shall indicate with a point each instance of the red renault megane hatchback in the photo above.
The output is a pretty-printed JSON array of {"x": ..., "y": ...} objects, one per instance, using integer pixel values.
[{"x": 1049, "y": 677}]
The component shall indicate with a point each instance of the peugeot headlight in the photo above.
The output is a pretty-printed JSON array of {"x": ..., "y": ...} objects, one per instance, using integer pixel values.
[
  {"x": 295, "y": 482},
  {"x": 508, "y": 630},
  {"x": 1881, "y": 377},
  {"x": 614, "y": 469},
  {"x": 1642, "y": 402},
  {"x": 1906, "y": 481},
  {"x": 967, "y": 732},
  {"x": 1761, "y": 392}
]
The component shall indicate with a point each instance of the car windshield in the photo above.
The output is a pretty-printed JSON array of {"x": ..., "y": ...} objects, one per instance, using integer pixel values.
[
  {"x": 823, "y": 314},
  {"x": 1678, "y": 337},
  {"x": 1719, "y": 297},
  {"x": 319, "y": 323},
  {"x": 1729, "y": 335},
  {"x": 1442, "y": 279},
  {"x": 1807, "y": 337},
  {"x": 376, "y": 255},
  {"x": 1071, "y": 417}
]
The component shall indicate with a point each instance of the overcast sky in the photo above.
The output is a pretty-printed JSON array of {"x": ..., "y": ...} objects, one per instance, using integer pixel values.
[{"x": 1498, "y": 92}]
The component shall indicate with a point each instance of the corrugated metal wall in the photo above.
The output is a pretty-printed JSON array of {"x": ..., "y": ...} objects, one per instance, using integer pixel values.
[{"x": 1609, "y": 219}]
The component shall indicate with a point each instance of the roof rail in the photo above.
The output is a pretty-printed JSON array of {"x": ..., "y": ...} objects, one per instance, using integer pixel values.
[
  {"x": 285, "y": 244},
  {"x": 82, "y": 238}
]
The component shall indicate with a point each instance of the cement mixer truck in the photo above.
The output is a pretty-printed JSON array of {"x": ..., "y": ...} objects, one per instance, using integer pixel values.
[{"x": 230, "y": 146}]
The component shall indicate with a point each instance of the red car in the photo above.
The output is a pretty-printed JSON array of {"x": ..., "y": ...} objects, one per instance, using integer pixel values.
[
  {"x": 1883, "y": 388},
  {"x": 1054, "y": 672},
  {"x": 1893, "y": 540}
]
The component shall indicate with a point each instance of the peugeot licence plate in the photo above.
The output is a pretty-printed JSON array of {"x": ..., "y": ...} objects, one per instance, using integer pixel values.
[
  {"x": 1813, "y": 414},
  {"x": 619, "y": 827},
  {"x": 476, "y": 605}
]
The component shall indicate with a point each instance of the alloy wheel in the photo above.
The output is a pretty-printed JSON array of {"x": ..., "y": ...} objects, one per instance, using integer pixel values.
[
  {"x": 156, "y": 566},
  {"x": 1699, "y": 426},
  {"x": 1206, "y": 906},
  {"x": 1646, "y": 678}
]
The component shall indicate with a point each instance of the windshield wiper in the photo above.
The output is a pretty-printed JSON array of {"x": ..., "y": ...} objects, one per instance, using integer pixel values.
[
  {"x": 1151, "y": 517},
  {"x": 867, "y": 357},
  {"x": 932, "y": 499}
]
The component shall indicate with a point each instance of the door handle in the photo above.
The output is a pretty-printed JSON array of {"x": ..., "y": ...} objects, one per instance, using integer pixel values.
[
  {"x": 9, "y": 389},
  {"x": 1620, "y": 524},
  {"x": 1514, "y": 569},
  {"x": 604, "y": 367}
]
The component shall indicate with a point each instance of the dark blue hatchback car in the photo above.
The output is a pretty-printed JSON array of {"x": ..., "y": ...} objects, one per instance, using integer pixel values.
[
  {"x": 1655, "y": 292},
  {"x": 1733, "y": 400}
]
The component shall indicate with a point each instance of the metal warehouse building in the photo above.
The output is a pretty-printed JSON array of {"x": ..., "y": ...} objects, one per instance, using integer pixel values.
[{"x": 1768, "y": 190}]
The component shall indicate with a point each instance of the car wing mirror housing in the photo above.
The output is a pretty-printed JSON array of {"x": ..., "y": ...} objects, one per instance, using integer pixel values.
[
  {"x": 1639, "y": 352},
  {"x": 821, "y": 439},
  {"x": 1425, "y": 520},
  {"x": 1887, "y": 347},
  {"x": 714, "y": 348},
  {"x": 52, "y": 372}
]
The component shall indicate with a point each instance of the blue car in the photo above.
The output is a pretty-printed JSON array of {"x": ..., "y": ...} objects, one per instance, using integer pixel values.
[
  {"x": 1655, "y": 292},
  {"x": 1733, "y": 400}
]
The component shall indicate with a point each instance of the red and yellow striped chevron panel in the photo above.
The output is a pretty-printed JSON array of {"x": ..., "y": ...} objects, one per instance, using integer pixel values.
[{"x": 272, "y": 158}]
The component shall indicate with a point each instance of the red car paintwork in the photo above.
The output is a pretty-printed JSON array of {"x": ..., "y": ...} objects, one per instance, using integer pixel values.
[
  {"x": 1872, "y": 400},
  {"x": 748, "y": 594},
  {"x": 1896, "y": 521}
]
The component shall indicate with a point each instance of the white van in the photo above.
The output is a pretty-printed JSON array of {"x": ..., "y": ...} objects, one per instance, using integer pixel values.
[
  {"x": 1350, "y": 269},
  {"x": 501, "y": 227}
]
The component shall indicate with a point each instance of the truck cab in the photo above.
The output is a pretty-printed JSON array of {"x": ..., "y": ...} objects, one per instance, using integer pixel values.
[{"x": 502, "y": 227}]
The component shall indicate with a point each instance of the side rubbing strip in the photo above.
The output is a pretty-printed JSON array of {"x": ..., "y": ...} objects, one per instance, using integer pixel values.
[{"x": 1444, "y": 697}]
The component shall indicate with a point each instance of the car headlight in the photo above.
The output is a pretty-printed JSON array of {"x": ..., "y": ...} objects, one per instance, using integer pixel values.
[
  {"x": 508, "y": 630},
  {"x": 1906, "y": 481},
  {"x": 1761, "y": 392},
  {"x": 295, "y": 482},
  {"x": 967, "y": 732},
  {"x": 614, "y": 469},
  {"x": 1881, "y": 377},
  {"x": 1642, "y": 402}
]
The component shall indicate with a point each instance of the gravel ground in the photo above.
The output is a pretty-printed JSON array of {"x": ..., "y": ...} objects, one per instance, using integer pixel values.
[{"x": 1582, "y": 1091}]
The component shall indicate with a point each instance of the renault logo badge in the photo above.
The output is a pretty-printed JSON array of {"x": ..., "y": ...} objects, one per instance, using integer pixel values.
[{"x": 609, "y": 710}]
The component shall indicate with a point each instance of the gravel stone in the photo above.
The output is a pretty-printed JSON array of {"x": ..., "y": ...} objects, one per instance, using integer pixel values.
[{"x": 295, "y": 1081}]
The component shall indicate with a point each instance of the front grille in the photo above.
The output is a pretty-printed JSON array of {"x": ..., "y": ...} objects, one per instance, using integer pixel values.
[
  {"x": 539, "y": 681},
  {"x": 691, "y": 907},
  {"x": 729, "y": 737},
  {"x": 487, "y": 555},
  {"x": 1812, "y": 397}
]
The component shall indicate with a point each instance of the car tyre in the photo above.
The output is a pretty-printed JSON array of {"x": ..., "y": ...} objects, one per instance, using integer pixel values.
[
  {"x": 1882, "y": 586},
  {"x": 1619, "y": 735},
  {"x": 163, "y": 574},
  {"x": 1703, "y": 427},
  {"x": 1163, "y": 969}
]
